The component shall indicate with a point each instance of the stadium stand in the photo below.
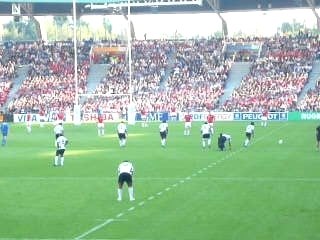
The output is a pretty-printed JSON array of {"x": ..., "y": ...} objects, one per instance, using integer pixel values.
[
  {"x": 7, "y": 73},
  {"x": 277, "y": 77},
  {"x": 194, "y": 81}
]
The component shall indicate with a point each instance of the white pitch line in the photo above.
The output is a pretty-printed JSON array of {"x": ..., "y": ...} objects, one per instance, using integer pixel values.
[
  {"x": 83, "y": 178},
  {"x": 150, "y": 198},
  {"x": 131, "y": 209},
  {"x": 141, "y": 203},
  {"x": 159, "y": 193},
  {"x": 108, "y": 221},
  {"x": 264, "y": 179},
  {"x": 119, "y": 215}
]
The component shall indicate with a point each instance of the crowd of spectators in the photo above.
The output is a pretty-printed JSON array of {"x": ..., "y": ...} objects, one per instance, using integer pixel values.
[
  {"x": 277, "y": 77},
  {"x": 149, "y": 65},
  {"x": 165, "y": 76},
  {"x": 7, "y": 74},
  {"x": 311, "y": 102},
  {"x": 50, "y": 84}
]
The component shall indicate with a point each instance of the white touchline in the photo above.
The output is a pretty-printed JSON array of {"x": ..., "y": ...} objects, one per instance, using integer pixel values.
[{"x": 108, "y": 221}]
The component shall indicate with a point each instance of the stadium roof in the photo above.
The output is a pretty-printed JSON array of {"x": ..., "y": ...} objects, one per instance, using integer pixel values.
[{"x": 63, "y": 7}]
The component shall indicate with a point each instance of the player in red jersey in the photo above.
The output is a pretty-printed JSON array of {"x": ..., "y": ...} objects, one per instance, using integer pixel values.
[
  {"x": 211, "y": 120},
  {"x": 144, "y": 118},
  {"x": 42, "y": 117},
  {"x": 60, "y": 116},
  {"x": 187, "y": 124},
  {"x": 264, "y": 117},
  {"x": 100, "y": 125}
]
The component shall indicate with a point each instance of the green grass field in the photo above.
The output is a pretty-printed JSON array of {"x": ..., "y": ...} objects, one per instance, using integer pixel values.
[{"x": 266, "y": 191}]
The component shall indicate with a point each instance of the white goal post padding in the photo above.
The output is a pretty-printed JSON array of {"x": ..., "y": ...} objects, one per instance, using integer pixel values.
[{"x": 131, "y": 114}]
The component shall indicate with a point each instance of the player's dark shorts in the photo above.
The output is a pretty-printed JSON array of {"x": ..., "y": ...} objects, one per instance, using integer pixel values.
[
  {"x": 125, "y": 177},
  {"x": 248, "y": 135},
  {"x": 60, "y": 152},
  {"x": 318, "y": 137},
  {"x": 5, "y": 134},
  {"x": 163, "y": 135},
  {"x": 58, "y": 135},
  {"x": 122, "y": 136},
  {"x": 206, "y": 136}
]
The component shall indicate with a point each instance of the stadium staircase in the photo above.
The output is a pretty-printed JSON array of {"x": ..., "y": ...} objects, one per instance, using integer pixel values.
[
  {"x": 313, "y": 77},
  {"x": 96, "y": 73},
  {"x": 168, "y": 70},
  {"x": 21, "y": 75},
  {"x": 237, "y": 72}
]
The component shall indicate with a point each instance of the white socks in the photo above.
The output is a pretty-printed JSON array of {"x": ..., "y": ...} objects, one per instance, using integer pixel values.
[{"x": 130, "y": 190}]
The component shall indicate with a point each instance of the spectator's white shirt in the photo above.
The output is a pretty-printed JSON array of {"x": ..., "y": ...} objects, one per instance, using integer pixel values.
[
  {"x": 61, "y": 142},
  {"x": 163, "y": 127},
  {"x": 122, "y": 128},
  {"x": 205, "y": 129},
  {"x": 125, "y": 167},
  {"x": 250, "y": 128}
]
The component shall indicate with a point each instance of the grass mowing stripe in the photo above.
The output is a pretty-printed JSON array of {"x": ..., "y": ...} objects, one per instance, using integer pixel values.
[{"x": 181, "y": 182}]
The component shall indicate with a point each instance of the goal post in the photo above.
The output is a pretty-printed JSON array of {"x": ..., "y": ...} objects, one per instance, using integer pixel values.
[
  {"x": 131, "y": 114},
  {"x": 77, "y": 114}
]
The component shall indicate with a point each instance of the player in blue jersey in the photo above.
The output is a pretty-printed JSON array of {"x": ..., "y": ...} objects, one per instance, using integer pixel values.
[{"x": 4, "y": 132}]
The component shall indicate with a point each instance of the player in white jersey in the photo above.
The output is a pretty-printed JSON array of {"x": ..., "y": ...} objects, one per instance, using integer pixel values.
[
  {"x": 249, "y": 133},
  {"x": 164, "y": 130},
  {"x": 122, "y": 133},
  {"x": 61, "y": 143},
  {"x": 58, "y": 130},
  {"x": 125, "y": 173},
  {"x": 206, "y": 135}
]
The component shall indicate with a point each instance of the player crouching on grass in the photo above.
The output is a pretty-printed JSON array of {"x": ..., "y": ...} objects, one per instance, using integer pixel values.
[
  {"x": 222, "y": 139},
  {"x": 61, "y": 143},
  {"x": 125, "y": 173}
]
